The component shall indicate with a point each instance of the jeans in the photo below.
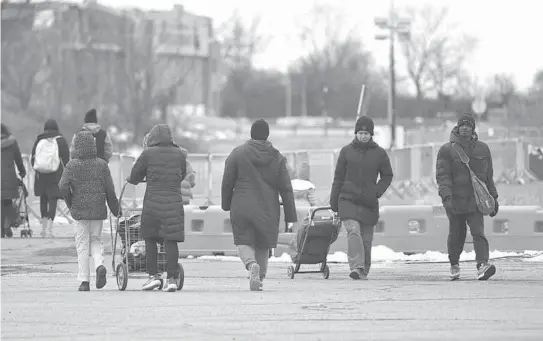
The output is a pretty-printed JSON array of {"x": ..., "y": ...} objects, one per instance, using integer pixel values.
[
  {"x": 48, "y": 207},
  {"x": 249, "y": 254},
  {"x": 457, "y": 237},
  {"x": 359, "y": 243},
  {"x": 88, "y": 242},
  {"x": 172, "y": 257}
]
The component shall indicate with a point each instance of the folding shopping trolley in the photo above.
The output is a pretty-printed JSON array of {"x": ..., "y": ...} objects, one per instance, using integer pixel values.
[{"x": 20, "y": 205}]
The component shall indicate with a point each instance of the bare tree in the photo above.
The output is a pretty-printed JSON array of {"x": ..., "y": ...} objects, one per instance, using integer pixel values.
[
  {"x": 503, "y": 88},
  {"x": 435, "y": 52}
]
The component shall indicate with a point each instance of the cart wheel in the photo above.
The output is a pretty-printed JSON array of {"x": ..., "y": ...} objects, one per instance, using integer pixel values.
[
  {"x": 326, "y": 272},
  {"x": 122, "y": 276},
  {"x": 181, "y": 277},
  {"x": 290, "y": 272}
]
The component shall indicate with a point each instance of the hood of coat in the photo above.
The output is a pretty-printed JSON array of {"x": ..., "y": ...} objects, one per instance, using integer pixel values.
[
  {"x": 92, "y": 127},
  {"x": 261, "y": 153},
  {"x": 7, "y": 140},
  {"x": 84, "y": 146},
  {"x": 160, "y": 135},
  {"x": 455, "y": 138}
]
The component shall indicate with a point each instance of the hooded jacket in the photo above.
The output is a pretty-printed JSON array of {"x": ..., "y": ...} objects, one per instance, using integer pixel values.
[
  {"x": 163, "y": 165},
  {"x": 453, "y": 177},
  {"x": 104, "y": 146},
  {"x": 255, "y": 175},
  {"x": 355, "y": 190},
  {"x": 304, "y": 190},
  {"x": 11, "y": 157},
  {"x": 47, "y": 184},
  {"x": 86, "y": 183}
]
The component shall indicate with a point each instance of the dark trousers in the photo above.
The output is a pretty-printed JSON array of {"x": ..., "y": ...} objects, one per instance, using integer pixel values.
[
  {"x": 457, "y": 236},
  {"x": 7, "y": 215},
  {"x": 48, "y": 207},
  {"x": 172, "y": 256}
]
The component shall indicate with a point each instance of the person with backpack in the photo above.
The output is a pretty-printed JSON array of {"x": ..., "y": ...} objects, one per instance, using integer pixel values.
[
  {"x": 11, "y": 157},
  {"x": 86, "y": 184},
  {"x": 50, "y": 154},
  {"x": 104, "y": 146}
]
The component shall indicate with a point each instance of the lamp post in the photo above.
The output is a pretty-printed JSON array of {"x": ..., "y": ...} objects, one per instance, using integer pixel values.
[{"x": 394, "y": 26}]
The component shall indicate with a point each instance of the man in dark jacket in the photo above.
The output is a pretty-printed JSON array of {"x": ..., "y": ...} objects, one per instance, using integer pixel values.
[
  {"x": 104, "y": 146},
  {"x": 164, "y": 166},
  {"x": 456, "y": 192},
  {"x": 356, "y": 192},
  {"x": 86, "y": 184},
  {"x": 11, "y": 157},
  {"x": 46, "y": 184},
  {"x": 255, "y": 174}
]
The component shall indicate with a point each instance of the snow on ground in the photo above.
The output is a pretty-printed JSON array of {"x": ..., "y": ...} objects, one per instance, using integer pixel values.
[{"x": 383, "y": 254}]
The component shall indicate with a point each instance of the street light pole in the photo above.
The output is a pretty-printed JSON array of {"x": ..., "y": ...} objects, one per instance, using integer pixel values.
[{"x": 394, "y": 26}]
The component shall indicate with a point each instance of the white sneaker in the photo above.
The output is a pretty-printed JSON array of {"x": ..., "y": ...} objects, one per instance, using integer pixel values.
[
  {"x": 153, "y": 283},
  {"x": 254, "y": 277},
  {"x": 171, "y": 285},
  {"x": 455, "y": 272}
]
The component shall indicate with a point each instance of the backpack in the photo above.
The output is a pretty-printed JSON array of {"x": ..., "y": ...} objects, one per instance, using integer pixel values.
[
  {"x": 46, "y": 158},
  {"x": 486, "y": 204}
]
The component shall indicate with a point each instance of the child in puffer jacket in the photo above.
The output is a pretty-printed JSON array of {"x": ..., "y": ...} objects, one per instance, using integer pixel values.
[
  {"x": 304, "y": 190},
  {"x": 86, "y": 184}
]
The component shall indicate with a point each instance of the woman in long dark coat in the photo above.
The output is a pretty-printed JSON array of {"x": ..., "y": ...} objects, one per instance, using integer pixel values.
[
  {"x": 164, "y": 166},
  {"x": 46, "y": 184},
  {"x": 11, "y": 157}
]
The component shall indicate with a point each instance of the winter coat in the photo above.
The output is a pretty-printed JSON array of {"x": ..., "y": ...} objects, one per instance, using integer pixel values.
[
  {"x": 164, "y": 166},
  {"x": 255, "y": 174},
  {"x": 11, "y": 156},
  {"x": 453, "y": 177},
  {"x": 304, "y": 193},
  {"x": 47, "y": 183},
  {"x": 187, "y": 184},
  {"x": 355, "y": 191},
  {"x": 104, "y": 146},
  {"x": 86, "y": 183}
]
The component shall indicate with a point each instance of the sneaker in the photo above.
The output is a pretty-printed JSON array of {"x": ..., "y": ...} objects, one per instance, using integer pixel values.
[
  {"x": 155, "y": 281},
  {"x": 171, "y": 285},
  {"x": 101, "y": 279},
  {"x": 485, "y": 271},
  {"x": 455, "y": 272},
  {"x": 357, "y": 274},
  {"x": 84, "y": 286},
  {"x": 254, "y": 277}
]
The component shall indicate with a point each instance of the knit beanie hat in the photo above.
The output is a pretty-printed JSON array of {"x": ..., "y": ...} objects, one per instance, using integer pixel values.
[
  {"x": 91, "y": 116},
  {"x": 466, "y": 119},
  {"x": 260, "y": 130},
  {"x": 364, "y": 123}
]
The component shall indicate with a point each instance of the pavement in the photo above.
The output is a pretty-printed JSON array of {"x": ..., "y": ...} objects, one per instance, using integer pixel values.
[{"x": 400, "y": 301}]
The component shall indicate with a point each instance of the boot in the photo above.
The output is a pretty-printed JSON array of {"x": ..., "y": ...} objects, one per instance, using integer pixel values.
[
  {"x": 49, "y": 228},
  {"x": 43, "y": 227}
]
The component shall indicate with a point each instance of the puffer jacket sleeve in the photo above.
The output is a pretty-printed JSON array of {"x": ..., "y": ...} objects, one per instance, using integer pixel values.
[
  {"x": 339, "y": 178},
  {"x": 385, "y": 175},
  {"x": 444, "y": 172},
  {"x": 139, "y": 170},
  {"x": 228, "y": 181},
  {"x": 111, "y": 196},
  {"x": 490, "y": 185},
  {"x": 64, "y": 185},
  {"x": 286, "y": 192}
]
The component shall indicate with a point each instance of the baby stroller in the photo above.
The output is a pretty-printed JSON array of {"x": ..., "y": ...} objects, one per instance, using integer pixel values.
[
  {"x": 20, "y": 209},
  {"x": 313, "y": 241}
]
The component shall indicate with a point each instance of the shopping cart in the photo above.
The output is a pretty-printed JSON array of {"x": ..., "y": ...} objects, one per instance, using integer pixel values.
[{"x": 133, "y": 257}]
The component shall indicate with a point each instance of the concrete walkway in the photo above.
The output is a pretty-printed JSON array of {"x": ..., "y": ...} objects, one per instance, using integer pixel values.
[{"x": 400, "y": 302}]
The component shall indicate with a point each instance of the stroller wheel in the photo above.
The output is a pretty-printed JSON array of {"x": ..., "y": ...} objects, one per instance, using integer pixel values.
[
  {"x": 326, "y": 272},
  {"x": 290, "y": 272},
  {"x": 122, "y": 276}
]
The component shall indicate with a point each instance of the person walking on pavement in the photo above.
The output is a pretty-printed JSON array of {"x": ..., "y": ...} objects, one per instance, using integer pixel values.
[
  {"x": 104, "y": 146},
  {"x": 456, "y": 192},
  {"x": 355, "y": 193},
  {"x": 50, "y": 154},
  {"x": 255, "y": 174},
  {"x": 164, "y": 166},
  {"x": 11, "y": 157},
  {"x": 86, "y": 185}
]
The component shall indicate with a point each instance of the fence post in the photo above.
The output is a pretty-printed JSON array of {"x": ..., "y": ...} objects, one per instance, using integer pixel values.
[{"x": 209, "y": 189}]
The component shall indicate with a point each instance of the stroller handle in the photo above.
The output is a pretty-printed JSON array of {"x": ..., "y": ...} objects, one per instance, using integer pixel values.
[{"x": 325, "y": 208}]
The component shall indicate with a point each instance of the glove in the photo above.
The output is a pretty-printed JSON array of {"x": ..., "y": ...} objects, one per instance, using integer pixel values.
[
  {"x": 496, "y": 209},
  {"x": 447, "y": 204},
  {"x": 289, "y": 227}
]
